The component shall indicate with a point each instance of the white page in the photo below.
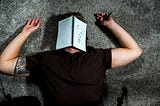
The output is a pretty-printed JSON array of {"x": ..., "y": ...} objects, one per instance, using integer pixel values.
[
  {"x": 79, "y": 38},
  {"x": 64, "y": 38}
]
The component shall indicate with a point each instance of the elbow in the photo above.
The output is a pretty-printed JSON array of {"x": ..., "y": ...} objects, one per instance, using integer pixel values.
[
  {"x": 1, "y": 65},
  {"x": 1, "y": 62},
  {"x": 138, "y": 52}
]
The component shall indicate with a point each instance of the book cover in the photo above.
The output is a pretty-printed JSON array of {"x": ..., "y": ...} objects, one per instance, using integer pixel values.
[{"x": 71, "y": 32}]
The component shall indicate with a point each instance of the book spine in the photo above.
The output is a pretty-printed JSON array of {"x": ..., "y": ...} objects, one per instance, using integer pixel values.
[{"x": 72, "y": 29}]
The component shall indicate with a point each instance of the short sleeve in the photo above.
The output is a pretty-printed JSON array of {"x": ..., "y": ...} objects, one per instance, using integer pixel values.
[
  {"x": 33, "y": 63},
  {"x": 107, "y": 58},
  {"x": 104, "y": 55}
]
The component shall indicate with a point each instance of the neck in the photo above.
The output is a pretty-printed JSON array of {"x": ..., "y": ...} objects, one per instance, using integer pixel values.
[{"x": 71, "y": 50}]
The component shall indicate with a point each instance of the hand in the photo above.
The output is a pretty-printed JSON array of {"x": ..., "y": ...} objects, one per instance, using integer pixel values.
[
  {"x": 104, "y": 19},
  {"x": 32, "y": 25}
]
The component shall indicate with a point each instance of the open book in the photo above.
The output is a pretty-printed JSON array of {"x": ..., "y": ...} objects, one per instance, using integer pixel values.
[{"x": 71, "y": 32}]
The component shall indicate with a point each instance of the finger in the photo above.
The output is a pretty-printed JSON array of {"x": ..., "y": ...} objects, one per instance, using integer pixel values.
[
  {"x": 32, "y": 22},
  {"x": 104, "y": 16},
  {"x": 98, "y": 16},
  {"x": 38, "y": 22},
  {"x": 35, "y": 22},
  {"x": 29, "y": 21},
  {"x": 101, "y": 19}
]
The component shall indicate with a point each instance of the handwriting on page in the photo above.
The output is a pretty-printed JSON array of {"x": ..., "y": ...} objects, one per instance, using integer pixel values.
[{"x": 81, "y": 32}]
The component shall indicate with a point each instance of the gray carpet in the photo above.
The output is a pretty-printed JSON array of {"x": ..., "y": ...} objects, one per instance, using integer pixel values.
[{"x": 139, "y": 17}]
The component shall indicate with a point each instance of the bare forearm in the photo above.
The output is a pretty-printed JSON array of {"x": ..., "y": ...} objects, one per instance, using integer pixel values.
[
  {"x": 124, "y": 38},
  {"x": 13, "y": 49}
]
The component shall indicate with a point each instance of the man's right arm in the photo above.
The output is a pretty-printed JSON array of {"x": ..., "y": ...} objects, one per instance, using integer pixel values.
[
  {"x": 129, "y": 49},
  {"x": 10, "y": 55}
]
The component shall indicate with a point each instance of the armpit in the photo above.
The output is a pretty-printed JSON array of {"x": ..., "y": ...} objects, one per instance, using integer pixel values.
[{"x": 20, "y": 67}]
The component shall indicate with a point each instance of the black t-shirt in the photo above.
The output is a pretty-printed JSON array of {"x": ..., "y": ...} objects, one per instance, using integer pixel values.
[{"x": 70, "y": 79}]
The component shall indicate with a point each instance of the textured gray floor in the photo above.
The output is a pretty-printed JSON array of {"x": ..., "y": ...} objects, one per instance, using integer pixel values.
[{"x": 139, "y": 17}]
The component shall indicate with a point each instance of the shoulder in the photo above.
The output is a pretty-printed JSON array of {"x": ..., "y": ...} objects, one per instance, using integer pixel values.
[
  {"x": 41, "y": 53},
  {"x": 91, "y": 49},
  {"x": 101, "y": 55}
]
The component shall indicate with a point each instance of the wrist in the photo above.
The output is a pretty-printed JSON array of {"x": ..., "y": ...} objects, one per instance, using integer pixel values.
[
  {"x": 26, "y": 33},
  {"x": 111, "y": 24}
]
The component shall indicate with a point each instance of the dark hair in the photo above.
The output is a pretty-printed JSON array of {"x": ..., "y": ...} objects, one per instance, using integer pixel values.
[{"x": 76, "y": 14}]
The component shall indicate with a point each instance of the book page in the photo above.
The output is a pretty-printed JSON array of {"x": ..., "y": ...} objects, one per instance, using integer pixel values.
[
  {"x": 64, "y": 38},
  {"x": 79, "y": 38}
]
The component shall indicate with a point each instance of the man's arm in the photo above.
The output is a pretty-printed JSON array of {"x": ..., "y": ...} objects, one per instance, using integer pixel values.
[
  {"x": 129, "y": 50},
  {"x": 9, "y": 58}
]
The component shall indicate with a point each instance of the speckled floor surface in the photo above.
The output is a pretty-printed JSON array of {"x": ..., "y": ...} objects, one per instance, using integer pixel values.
[{"x": 141, "y": 18}]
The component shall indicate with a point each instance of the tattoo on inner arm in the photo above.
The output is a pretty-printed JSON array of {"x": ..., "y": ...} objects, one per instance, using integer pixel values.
[{"x": 20, "y": 67}]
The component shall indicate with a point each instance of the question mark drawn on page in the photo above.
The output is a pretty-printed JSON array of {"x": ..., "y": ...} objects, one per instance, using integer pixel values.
[{"x": 81, "y": 32}]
